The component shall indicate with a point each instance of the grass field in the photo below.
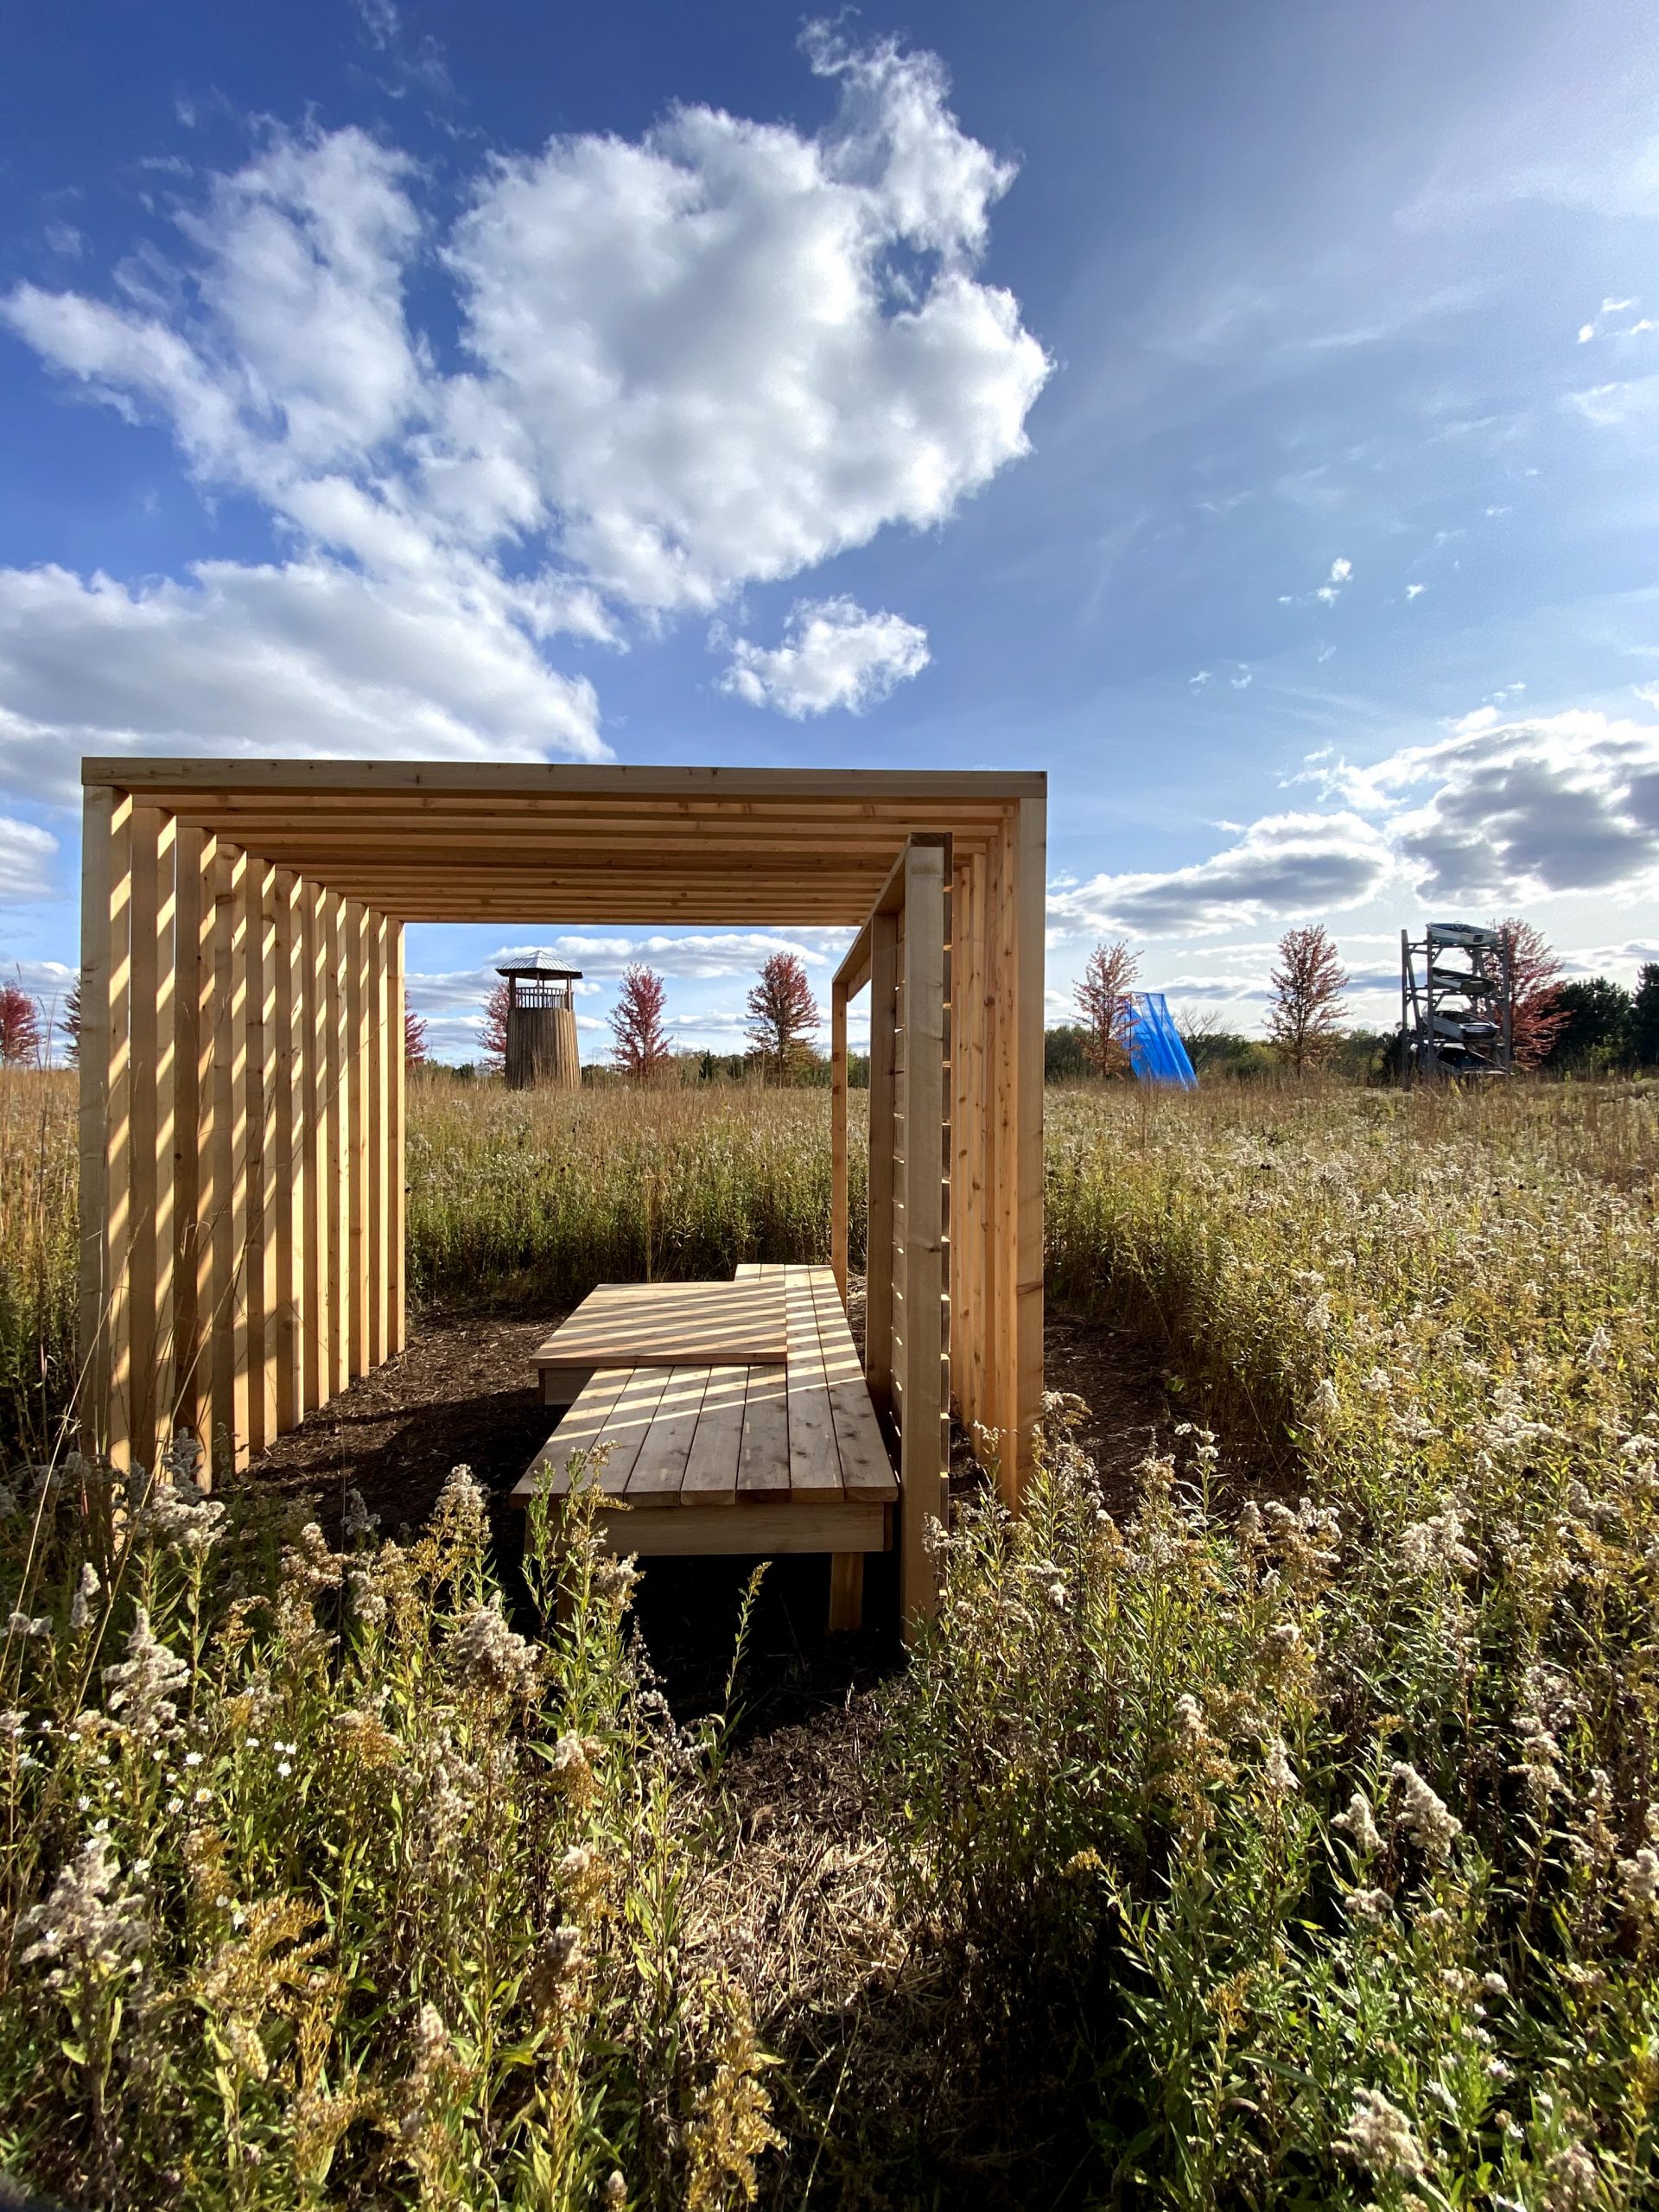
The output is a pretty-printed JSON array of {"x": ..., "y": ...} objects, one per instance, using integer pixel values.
[{"x": 1291, "y": 1841}]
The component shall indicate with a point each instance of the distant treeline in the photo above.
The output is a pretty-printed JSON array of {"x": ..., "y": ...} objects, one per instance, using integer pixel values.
[{"x": 687, "y": 1070}]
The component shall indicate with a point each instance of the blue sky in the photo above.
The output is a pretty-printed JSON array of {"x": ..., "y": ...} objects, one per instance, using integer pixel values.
[{"x": 1250, "y": 416}]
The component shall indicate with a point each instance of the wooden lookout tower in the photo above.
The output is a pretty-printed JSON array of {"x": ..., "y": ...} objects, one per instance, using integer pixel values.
[{"x": 540, "y": 1025}]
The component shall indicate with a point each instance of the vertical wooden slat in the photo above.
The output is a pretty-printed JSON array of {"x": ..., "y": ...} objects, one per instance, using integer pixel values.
[
  {"x": 878, "y": 1263},
  {"x": 396, "y": 1324},
  {"x": 920, "y": 1463},
  {"x": 226, "y": 1307},
  {"x": 288, "y": 1256},
  {"x": 1030, "y": 915},
  {"x": 209, "y": 1196},
  {"x": 318, "y": 1110},
  {"x": 379, "y": 1070},
  {"x": 358, "y": 1148},
  {"x": 192, "y": 1104},
  {"x": 259, "y": 904},
  {"x": 340, "y": 1183},
  {"x": 92, "y": 1056},
  {"x": 838, "y": 1221},
  {"x": 150, "y": 1288},
  {"x": 118, "y": 1141},
  {"x": 1001, "y": 1333}
]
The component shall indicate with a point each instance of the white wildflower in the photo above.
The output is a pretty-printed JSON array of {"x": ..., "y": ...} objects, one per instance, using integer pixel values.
[
  {"x": 1374, "y": 1905},
  {"x": 1638, "y": 1879},
  {"x": 613, "y": 1580},
  {"x": 1280, "y": 1774},
  {"x": 1378, "y": 2139},
  {"x": 86, "y": 1593},
  {"x": 88, "y": 1922},
  {"x": 35, "y": 1630},
  {"x": 1437, "y": 1542},
  {"x": 616, "y": 2190},
  {"x": 357, "y": 1523},
  {"x": 1361, "y": 1827},
  {"x": 1423, "y": 1815},
  {"x": 144, "y": 1683},
  {"x": 490, "y": 1657},
  {"x": 1572, "y": 2182}
]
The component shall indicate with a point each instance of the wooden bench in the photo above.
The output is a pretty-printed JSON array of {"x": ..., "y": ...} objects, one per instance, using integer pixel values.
[{"x": 712, "y": 1452}]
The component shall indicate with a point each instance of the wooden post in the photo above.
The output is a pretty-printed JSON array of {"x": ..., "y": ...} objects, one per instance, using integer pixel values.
[
  {"x": 922, "y": 1346},
  {"x": 149, "y": 1285},
  {"x": 396, "y": 1320},
  {"x": 839, "y": 1226},
  {"x": 878, "y": 1261},
  {"x": 846, "y": 1591}
]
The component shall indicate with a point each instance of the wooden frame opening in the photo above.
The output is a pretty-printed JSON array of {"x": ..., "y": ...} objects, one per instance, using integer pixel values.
[{"x": 243, "y": 1107}]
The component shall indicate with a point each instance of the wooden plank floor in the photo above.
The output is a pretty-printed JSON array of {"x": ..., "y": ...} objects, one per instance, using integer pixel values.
[
  {"x": 673, "y": 1324},
  {"x": 745, "y": 1433}
]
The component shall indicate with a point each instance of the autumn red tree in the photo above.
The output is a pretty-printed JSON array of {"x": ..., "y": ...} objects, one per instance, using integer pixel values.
[
  {"x": 20, "y": 1027},
  {"x": 415, "y": 1053},
  {"x": 642, "y": 1045},
  {"x": 493, "y": 1033},
  {"x": 1307, "y": 1015},
  {"x": 1108, "y": 1010},
  {"x": 782, "y": 1017},
  {"x": 1537, "y": 1015}
]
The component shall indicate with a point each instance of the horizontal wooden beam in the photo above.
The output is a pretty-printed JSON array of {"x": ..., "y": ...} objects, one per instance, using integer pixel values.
[{"x": 150, "y": 775}]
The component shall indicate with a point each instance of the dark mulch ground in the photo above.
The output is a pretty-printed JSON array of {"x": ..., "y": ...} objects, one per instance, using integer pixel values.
[{"x": 464, "y": 1390}]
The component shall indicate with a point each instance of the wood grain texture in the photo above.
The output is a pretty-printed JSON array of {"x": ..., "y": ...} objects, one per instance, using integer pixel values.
[{"x": 671, "y": 1324}]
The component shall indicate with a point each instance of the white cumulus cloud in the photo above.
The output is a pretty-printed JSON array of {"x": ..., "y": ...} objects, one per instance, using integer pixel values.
[
  {"x": 26, "y": 856},
  {"x": 712, "y": 355},
  {"x": 309, "y": 658},
  {"x": 833, "y": 655}
]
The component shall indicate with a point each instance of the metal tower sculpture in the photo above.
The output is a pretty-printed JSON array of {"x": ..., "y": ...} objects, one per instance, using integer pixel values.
[{"x": 1457, "y": 1001}]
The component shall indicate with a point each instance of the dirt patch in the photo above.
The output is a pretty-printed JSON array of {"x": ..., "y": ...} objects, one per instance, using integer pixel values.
[{"x": 463, "y": 1390}]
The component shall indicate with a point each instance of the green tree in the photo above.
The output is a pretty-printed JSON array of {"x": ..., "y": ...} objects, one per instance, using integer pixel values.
[
  {"x": 1645, "y": 1016},
  {"x": 1595, "y": 1033}
]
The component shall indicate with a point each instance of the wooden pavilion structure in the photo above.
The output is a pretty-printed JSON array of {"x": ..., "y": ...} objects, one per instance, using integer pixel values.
[{"x": 242, "y": 1127}]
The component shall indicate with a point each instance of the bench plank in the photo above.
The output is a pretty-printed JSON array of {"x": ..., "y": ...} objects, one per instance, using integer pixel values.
[
  {"x": 814, "y": 1463},
  {"x": 763, "y": 1461},
  {"x": 660, "y": 1467},
  {"x": 711, "y": 1477}
]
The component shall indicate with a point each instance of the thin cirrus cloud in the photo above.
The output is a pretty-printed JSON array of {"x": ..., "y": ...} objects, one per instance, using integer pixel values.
[
  {"x": 1496, "y": 813},
  {"x": 832, "y": 654},
  {"x": 708, "y": 356}
]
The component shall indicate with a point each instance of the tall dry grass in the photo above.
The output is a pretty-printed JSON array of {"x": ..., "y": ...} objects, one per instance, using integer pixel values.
[{"x": 38, "y": 1315}]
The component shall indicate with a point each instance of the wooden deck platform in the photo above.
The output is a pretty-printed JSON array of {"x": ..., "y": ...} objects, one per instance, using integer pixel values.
[
  {"x": 741, "y": 1323},
  {"x": 725, "y": 1454}
]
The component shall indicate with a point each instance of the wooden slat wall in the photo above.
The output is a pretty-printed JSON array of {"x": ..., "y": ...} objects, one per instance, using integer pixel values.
[
  {"x": 242, "y": 1106},
  {"x": 241, "y": 1139}
]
